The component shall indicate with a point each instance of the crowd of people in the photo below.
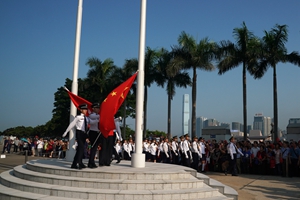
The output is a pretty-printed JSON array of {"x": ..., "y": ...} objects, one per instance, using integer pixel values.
[
  {"x": 36, "y": 147},
  {"x": 280, "y": 158}
]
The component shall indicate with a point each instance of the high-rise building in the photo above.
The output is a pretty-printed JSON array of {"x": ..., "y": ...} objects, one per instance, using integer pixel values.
[
  {"x": 262, "y": 123},
  {"x": 185, "y": 114},
  {"x": 225, "y": 125},
  {"x": 242, "y": 127},
  {"x": 199, "y": 125},
  {"x": 249, "y": 128},
  {"x": 294, "y": 121},
  {"x": 236, "y": 126},
  {"x": 211, "y": 122}
]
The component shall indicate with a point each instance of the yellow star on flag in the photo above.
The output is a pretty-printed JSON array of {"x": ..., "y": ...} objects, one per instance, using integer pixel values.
[{"x": 113, "y": 94}]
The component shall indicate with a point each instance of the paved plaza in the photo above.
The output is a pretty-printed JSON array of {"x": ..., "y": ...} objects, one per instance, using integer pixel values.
[{"x": 248, "y": 186}]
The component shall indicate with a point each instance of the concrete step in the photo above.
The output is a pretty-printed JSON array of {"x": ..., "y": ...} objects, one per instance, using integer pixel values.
[
  {"x": 62, "y": 168},
  {"x": 117, "y": 184},
  {"x": 223, "y": 189},
  {"x": 7, "y": 179},
  {"x": 7, "y": 193}
]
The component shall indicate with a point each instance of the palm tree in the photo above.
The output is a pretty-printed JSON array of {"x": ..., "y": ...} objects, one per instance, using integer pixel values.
[
  {"x": 273, "y": 52},
  {"x": 171, "y": 76},
  {"x": 98, "y": 77},
  {"x": 193, "y": 55},
  {"x": 243, "y": 52}
]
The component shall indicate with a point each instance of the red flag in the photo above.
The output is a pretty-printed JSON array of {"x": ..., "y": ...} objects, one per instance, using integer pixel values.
[
  {"x": 111, "y": 105},
  {"x": 77, "y": 100}
]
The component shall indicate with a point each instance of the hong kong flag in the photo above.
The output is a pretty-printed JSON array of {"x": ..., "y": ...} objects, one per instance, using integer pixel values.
[
  {"x": 111, "y": 105},
  {"x": 77, "y": 100}
]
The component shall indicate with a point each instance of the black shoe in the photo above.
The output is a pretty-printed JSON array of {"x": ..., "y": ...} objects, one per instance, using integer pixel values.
[
  {"x": 101, "y": 165},
  {"x": 118, "y": 161},
  {"x": 74, "y": 167},
  {"x": 92, "y": 166},
  {"x": 107, "y": 164},
  {"x": 234, "y": 175},
  {"x": 82, "y": 165},
  {"x": 225, "y": 173}
]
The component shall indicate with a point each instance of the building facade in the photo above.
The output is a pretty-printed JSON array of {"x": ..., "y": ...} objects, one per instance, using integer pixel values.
[{"x": 185, "y": 114}]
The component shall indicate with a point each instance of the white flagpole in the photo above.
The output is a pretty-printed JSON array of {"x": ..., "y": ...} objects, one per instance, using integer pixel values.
[
  {"x": 73, "y": 110},
  {"x": 138, "y": 158}
]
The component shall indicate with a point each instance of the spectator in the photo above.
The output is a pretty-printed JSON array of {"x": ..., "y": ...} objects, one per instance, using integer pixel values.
[
  {"x": 295, "y": 159},
  {"x": 40, "y": 145}
]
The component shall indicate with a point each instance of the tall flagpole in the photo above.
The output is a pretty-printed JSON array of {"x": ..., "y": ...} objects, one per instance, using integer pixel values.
[
  {"x": 138, "y": 158},
  {"x": 73, "y": 110}
]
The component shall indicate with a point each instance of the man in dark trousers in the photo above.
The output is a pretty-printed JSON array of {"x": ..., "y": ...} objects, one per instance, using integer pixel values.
[
  {"x": 232, "y": 151},
  {"x": 81, "y": 122},
  {"x": 94, "y": 135}
]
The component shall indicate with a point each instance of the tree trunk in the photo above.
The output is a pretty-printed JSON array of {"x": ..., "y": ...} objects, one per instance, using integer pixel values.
[
  {"x": 275, "y": 103},
  {"x": 245, "y": 101},
  {"x": 169, "y": 116},
  {"x": 194, "y": 94},
  {"x": 145, "y": 111}
]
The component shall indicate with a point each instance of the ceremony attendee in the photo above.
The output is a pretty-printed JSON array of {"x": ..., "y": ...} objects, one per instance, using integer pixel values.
[
  {"x": 202, "y": 151},
  {"x": 174, "y": 152},
  {"x": 186, "y": 150},
  {"x": 94, "y": 135},
  {"x": 232, "y": 151},
  {"x": 146, "y": 150},
  {"x": 182, "y": 154},
  {"x": 81, "y": 122},
  {"x": 17, "y": 143},
  {"x": 118, "y": 122},
  {"x": 166, "y": 151},
  {"x": 285, "y": 151},
  {"x": 127, "y": 155},
  {"x": 40, "y": 146},
  {"x": 295, "y": 159},
  {"x": 195, "y": 153},
  {"x": 153, "y": 150}
]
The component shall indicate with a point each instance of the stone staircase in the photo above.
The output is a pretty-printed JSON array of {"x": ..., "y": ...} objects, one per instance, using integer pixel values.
[{"x": 55, "y": 180}]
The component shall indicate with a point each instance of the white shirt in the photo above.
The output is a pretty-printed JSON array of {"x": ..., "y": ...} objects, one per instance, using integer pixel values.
[
  {"x": 153, "y": 149},
  {"x": 174, "y": 147},
  {"x": 232, "y": 149},
  {"x": 185, "y": 147},
  {"x": 40, "y": 144},
  {"x": 94, "y": 117},
  {"x": 166, "y": 149},
  {"x": 195, "y": 148},
  {"x": 146, "y": 146},
  {"x": 254, "y": 151},
  {"x": 118, "y": 148},
  {"x": 202, "y": 148},
  {"x": 79, "y": 123}
]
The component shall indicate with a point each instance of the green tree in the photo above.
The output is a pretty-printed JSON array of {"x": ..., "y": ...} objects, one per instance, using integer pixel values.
[
  {"x": 98, "y": 81},
  {"x": 273, "y": 52},
  {"x": 172, "y": 77},
  {"x": 244, "y": 52},
  {"x": 192, "y": 55}
]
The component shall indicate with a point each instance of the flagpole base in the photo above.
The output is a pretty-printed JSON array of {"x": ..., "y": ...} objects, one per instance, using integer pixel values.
[{"x": 138, "y": 160}]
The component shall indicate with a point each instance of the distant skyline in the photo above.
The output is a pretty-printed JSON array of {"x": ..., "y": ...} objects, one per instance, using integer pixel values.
[{"x": 37, "y": 52}]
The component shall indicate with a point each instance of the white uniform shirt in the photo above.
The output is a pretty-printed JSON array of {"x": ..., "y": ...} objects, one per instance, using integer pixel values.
[
  {"x": 186, "y": 147},
  {"x": 146, "y": 146},
  {"x": 153, "y": 149},
  {"x": 195, "y": 148},
  {"x": 166, "y": 149},
  {"x": 232, "y": 149},
  {"x": 118, "y": 148},
  {"x": 175, "y": 147},
  {"x": 202, "y": 148},
  {"x": 79, "y": 123}
]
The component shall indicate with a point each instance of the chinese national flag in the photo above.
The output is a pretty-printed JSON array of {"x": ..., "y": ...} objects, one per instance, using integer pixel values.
[
  {"x": 77, "y": 100},
  {"x": 111, "y": 105}
]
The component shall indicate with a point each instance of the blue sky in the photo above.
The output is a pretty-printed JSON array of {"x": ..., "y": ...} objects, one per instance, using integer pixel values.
[{"x": 37, "y": 51}]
